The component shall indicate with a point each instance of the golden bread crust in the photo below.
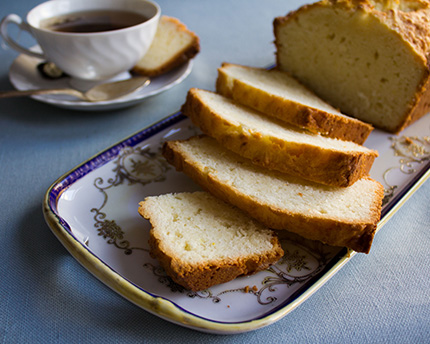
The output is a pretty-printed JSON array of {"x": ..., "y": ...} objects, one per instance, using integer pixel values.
[
  {"x": 409, "y": 20},
  {"x": 188, "y": 52},
  {"x": 310, "y": 162},
  {"x": 310, "y": 118},
  {"x": 209, "y": 273},
  {"x": 412, "y": 24},
  {"x": 202, "y": 276},
  {"x": 357, "y": 236}
]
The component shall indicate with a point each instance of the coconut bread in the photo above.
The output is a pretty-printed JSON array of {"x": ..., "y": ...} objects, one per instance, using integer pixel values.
[
  {"x": 277, "y": 94},
  {"x": 368, "y": 58},
  {"x": 276, "y": 145},
  {"x": 201, "y": 241},
  {"x": 173, "y": 45},
  {"x": 333, "y": 215}
]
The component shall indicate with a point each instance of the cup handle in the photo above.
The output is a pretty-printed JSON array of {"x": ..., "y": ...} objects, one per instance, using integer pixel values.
[{"x": 15, "y": 19}]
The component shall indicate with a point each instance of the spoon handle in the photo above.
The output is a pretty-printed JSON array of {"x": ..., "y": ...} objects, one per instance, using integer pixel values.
[{"x": 69, "y": 91}]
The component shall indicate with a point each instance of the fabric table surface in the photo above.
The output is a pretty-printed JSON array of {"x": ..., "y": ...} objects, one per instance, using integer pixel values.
[{"x": 48, "y": 297}]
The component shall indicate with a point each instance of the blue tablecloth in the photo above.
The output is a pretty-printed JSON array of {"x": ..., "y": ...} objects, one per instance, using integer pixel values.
[{"x": 48, "y": 297}]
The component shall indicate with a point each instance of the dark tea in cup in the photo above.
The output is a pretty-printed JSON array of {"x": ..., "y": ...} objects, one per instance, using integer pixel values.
[
  {"x": 93, "y": 21},
  {"x": 88, "y": 39}
]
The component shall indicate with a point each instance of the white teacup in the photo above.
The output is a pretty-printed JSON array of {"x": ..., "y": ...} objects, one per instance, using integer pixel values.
[{"x": 88, "y": 55}]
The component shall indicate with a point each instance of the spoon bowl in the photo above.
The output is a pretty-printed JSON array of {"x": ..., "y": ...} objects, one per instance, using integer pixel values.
[{"x": 98, "y": 93}]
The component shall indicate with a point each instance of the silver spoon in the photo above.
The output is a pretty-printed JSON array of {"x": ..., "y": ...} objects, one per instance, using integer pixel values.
[{"x": 101, "y": 92}]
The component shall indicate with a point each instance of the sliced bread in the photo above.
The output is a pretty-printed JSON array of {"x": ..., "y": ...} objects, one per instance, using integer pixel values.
[
  {"x": 336, "y": 216},
  {"x": 368, "y": 58},
  {"x": 276, "y": 145},
  {"x": 172, "y": 46},
  {"x": 201, "y": 241},
  {"x": 277, "y": 94}
]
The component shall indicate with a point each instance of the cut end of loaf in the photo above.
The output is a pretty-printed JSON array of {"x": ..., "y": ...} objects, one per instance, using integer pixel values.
[{"x": 367, "y": 58}]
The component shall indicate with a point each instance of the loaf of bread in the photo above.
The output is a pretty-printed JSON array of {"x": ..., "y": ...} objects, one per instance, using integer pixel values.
[
  {"x": 276, "y": 94},
  {"x": 336, "y": 216},
  {"x": 201, "y": 241},
  {"x": 172, "y": 46},
  {"x": 276, "y": 145},
  {"x": 366, "y": 57}
]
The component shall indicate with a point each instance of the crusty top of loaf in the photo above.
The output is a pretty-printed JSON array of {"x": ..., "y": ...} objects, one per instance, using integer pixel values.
[{"x": 409, "y": 18}]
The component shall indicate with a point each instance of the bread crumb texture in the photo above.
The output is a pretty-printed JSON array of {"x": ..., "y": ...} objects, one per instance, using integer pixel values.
[
  {"x": 276, "y": 145},
  {"x": 337, "y": 216},
  {"x": 202, "y": 241},
  {"x": 367, "y": 58},
  {"x": 173, "y": 45}
]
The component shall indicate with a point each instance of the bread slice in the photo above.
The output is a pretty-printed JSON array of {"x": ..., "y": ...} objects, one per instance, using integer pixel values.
[
  {"x": 201, "y": 241},
  {"x": 276, "y": 145},
  {"x": 277, "y": 94},
  {"x": 173, "y": 45},
  {"x": 368, "y": 58},
  {"x": 336, "y": 216}
]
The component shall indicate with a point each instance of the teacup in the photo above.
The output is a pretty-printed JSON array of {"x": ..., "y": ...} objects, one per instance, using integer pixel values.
[{"x": 83, "y": 52}]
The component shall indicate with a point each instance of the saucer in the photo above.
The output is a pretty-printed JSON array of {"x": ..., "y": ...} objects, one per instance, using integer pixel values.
[{"x": 23, "y": 75}]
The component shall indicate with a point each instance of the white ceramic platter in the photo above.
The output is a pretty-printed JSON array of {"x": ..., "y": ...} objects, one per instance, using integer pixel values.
[
  {"x": 93, "y": 212},
  {"x": 23, "y": 75}
]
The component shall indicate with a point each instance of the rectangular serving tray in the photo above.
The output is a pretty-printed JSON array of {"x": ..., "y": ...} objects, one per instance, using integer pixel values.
[{"x": 92, "y": 210}]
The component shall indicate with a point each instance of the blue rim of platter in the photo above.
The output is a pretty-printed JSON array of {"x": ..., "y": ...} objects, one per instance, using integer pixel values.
[{"x": 161, "y": 306}]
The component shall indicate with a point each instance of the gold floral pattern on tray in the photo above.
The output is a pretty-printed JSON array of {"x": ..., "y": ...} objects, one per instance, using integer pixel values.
[
  {"x": 143, "y": 166},
  {"x": 413, "y": 151},
  {"x": 299, "y": 259},
  {"x": 135, "y": 165},
  {"x": 93, "y": 211}
]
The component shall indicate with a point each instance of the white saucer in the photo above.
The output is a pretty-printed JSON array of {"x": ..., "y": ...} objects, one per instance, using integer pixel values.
[{"x": 23, "y": 75}]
